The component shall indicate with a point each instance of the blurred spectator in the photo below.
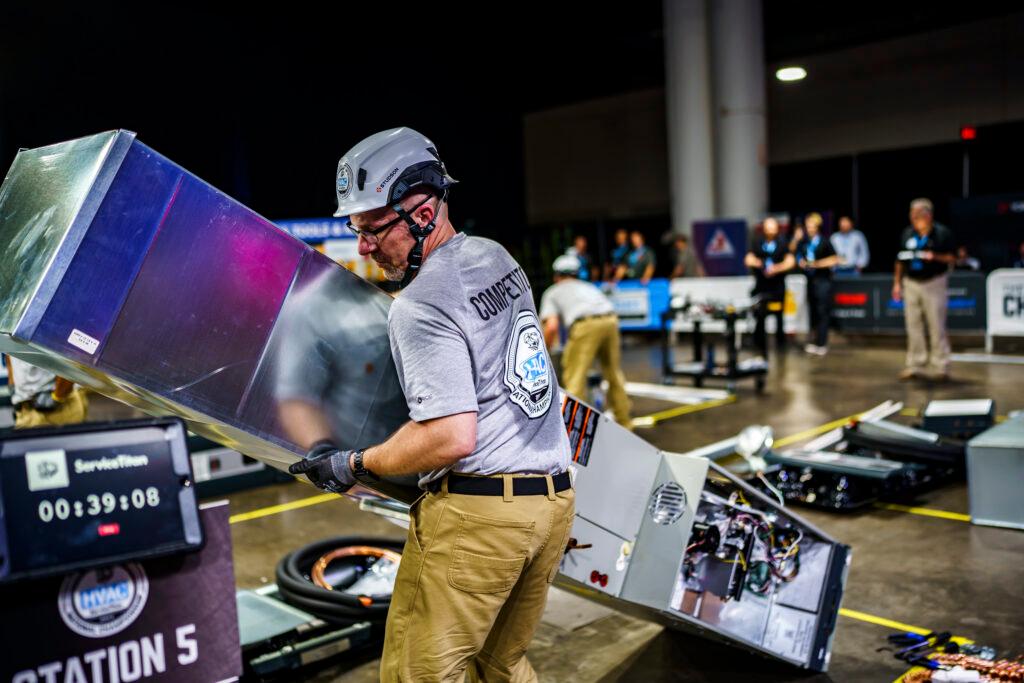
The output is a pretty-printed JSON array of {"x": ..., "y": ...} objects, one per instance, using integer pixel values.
[
  {"x": 619, "y": 253},
  {"x": 769, "y": 260},
  {"x": 640, "y": 261},
  {"x": 851, "y": 247},
  {"x": 579, "y": 250},
  {"x": 799, "y": 232},
  {"x": 593, "y": 333},
  {"x": 41, "y": 398},
  {"x": 816, "y": 258},
  {"x": 920, "y": 280},
  {"x": 684, "y": 261},
  {"x": 1019, "y": 263},
  {"x": 965, "y": 261}
]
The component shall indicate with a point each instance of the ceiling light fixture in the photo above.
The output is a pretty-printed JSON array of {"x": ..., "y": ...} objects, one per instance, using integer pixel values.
[{"x": 791, "y": 73}]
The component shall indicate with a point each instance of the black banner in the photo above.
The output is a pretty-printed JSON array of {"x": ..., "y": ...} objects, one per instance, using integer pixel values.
[
  {"x": 171, "y": 619},
  {"x": 865, "y": 304}
]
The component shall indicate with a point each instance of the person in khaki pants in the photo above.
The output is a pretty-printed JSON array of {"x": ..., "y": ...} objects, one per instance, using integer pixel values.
[
  {"x": 920, "y": 280},
  {"x": 42, "y": 399},
  {"x": 485, "y": 433},
  {"x": 593, "y": 333}
]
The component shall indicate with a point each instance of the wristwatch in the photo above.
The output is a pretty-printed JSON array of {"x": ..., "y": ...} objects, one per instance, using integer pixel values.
[{"x": 360, "y": 470}]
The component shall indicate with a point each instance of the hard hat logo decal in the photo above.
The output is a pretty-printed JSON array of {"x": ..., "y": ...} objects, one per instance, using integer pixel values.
[
  {"x": 527, "y": 369},
  {"x": 387, "y": 179},
  {"x": 344, "y": 180}
]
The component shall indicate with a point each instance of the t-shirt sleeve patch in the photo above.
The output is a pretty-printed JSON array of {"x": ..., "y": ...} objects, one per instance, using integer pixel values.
[{"x": 527, "y": 367}]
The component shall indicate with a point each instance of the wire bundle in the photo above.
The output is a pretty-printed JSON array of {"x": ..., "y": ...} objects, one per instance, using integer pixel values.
[{"x": 296, "y": 586}]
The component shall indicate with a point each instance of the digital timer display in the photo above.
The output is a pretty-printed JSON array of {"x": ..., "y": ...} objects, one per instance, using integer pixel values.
[{"x": 73, "y": 497}]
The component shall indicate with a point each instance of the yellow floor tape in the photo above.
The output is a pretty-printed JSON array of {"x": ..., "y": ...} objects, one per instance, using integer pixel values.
[
  {"x": 879, "y": 621},
  {"x": 655, "y": 418},
  {"x": 815, "y": 431},
  {"x": 926, "y": 512},
  {"x": 283, "y": 507}
]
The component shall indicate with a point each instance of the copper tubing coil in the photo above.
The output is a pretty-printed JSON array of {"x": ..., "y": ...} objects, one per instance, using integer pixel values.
[
  {"x": 999, "y": 670},
  {"x": 317, "y": 573}
]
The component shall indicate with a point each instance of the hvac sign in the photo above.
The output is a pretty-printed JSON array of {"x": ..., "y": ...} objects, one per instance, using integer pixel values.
[{"x": 1005, "y": 290}]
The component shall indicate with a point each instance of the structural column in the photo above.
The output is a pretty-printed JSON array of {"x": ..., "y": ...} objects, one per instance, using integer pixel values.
[
  {"x": 688, "y": 114},
  {"x": 738, "y": 68}
]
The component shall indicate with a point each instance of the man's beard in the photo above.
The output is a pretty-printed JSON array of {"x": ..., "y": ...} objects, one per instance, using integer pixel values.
[{"x": 391, "y": 272}]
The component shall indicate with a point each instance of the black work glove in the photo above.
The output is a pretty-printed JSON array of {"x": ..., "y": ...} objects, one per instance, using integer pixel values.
[
  {"x": 44, "y": 402},
  {"x": 327, "y": 467}
]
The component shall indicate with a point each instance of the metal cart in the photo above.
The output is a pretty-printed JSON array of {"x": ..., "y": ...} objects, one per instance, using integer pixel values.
[{"x": 704, "y": 365}]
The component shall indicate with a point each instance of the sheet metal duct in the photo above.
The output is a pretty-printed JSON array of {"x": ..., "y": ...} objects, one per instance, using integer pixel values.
[{"x": 129, "y": 275}]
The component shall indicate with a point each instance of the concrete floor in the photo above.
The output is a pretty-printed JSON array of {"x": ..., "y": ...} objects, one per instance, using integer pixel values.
[{"x": 928, "y": 572}]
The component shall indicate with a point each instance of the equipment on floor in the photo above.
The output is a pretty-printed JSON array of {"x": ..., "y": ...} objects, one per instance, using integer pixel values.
[
  {"x": 704, "y": 365},
  {"x": 331, "y": 597},
  {"x": 995, "y": 470},
  {"x": 278, "y": 639},
  {"x": 341, "y": 580},
  {"x": 838, "y": 481},
  {"x": 900, "y": 442},
  {"x": 959, "y": 419},
  {"x": 93, "y": 494}
]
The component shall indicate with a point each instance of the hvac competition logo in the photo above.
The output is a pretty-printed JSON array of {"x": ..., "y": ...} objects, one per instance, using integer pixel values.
[
  {"x": 527, "y": 372},
  {"x": 102, "y": 602},
  {"x": 719, "y": 245},
  {"x": 344, "y": 180}
]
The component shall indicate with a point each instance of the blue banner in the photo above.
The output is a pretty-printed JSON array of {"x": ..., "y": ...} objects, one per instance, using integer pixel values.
[
  {"x": 640, "y": 306},
  {"x": 315, "y": 230},
  {"x": 721, "y": 246}
]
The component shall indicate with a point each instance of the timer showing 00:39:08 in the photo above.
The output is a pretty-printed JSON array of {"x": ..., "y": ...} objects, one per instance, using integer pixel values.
[{"x": 98, "y": 504}]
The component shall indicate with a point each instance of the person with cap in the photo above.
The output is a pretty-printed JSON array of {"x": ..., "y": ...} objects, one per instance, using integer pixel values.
[
  {"x": 588, "y": 314},
  {"x": 769, "y": 260},
  {"x": 920, "y": 281},
  {"x": 485, "y": 432}
]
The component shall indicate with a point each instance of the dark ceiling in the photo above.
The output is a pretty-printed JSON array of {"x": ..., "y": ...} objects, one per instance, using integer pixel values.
[{"x": 262, "y": 101}]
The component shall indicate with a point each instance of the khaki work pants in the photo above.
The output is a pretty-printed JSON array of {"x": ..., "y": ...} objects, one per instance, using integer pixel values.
[
  {"x": 473, "y": 584},
  {"x": 596, "y": 337},
  {"x": 924, "y": 311},
  {"x": 73, "y": 410}
]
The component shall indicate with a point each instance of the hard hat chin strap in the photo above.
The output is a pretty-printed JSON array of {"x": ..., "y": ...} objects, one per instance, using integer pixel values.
[{"x": 415, "y": 258}]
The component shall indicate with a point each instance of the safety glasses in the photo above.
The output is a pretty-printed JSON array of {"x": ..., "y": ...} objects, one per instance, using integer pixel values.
[{"x": 373, "y": 235}]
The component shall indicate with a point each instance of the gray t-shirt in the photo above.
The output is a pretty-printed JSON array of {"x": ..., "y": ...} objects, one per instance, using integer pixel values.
[
  {"x": 571, "y": 299},
  {"x": 465, "y": 338}
]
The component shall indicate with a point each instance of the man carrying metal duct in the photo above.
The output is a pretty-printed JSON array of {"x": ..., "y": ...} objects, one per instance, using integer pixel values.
[{"x": 485, "y": 434}]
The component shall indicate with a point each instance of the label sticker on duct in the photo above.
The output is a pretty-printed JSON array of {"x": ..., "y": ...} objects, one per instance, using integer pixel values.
[
  {"x": 80, "y": 340},
  {"x": 580, "y": 423}
]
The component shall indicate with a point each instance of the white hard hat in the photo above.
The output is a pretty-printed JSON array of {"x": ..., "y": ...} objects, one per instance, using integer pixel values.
[
  {"x": 381, "y": 169},
  {"x": 566, "y": 264}
]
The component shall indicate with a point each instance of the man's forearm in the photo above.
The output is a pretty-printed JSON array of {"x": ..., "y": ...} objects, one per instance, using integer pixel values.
[
  {"x": 424, "y": 446},
  {"x": 897, "y": 273}
]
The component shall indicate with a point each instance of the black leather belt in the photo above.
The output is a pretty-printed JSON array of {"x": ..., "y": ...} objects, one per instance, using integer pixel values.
[{"x": 495, "y": 486}]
